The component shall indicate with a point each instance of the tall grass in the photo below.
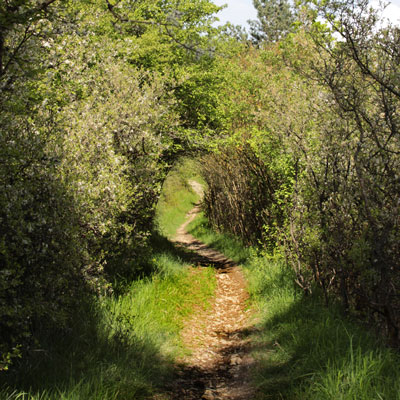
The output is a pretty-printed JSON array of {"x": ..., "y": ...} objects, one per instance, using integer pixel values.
[
  {"x": 308, "y": 351},
  {"x": 123, "y": 346}
]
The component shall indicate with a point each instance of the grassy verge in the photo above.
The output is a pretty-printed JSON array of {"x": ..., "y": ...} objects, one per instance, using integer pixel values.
[
  {"x": 304, "y": 350},
  {"x": 177, "y": 198},
  {"x": 226, "y": 244},
  {"x": 124, "y": 346},
  {"x": 308, "y": 351}
]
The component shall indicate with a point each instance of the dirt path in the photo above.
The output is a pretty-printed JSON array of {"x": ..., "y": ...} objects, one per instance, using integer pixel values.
[{"x": 218, "y": 367}]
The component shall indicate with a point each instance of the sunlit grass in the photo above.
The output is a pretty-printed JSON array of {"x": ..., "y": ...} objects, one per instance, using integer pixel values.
[
  {"x": 303, "y": 349},
  {"x": 225, "y": 243},
  {"x": 177, "y": 198},
  {"x": 124, "y": 346},
  {"x": 308, "y": 351}
]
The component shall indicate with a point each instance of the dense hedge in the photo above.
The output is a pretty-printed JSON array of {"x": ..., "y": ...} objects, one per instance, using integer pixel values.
[
  {"x": 245, "y": 194},
  {"x": 80, "y": 189},
  {"x": 334, "y": 175},
  {"x": 91, "y": 121}
]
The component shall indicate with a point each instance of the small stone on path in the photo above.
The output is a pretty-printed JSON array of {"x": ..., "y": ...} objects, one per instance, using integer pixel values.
[{"x": 215, "y": 337}]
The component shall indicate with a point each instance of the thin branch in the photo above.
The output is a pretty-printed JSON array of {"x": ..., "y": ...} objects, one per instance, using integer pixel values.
[{"x": 25, "y": 38}]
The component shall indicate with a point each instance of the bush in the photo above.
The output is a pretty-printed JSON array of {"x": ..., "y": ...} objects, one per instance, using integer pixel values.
[{"x": 84, "y": 148}]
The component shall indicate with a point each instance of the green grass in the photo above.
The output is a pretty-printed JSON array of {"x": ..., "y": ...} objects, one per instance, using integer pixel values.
[
  {"x": 225, "y": 243},
  {"x": 308, "y": 351},
  {"x": 177, "y": 198},
  {"x": 123, "y": 346},
  {"x": 304, "y": 350}
]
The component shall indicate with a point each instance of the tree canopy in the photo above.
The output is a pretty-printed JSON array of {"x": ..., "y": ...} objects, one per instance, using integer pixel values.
[{"x": 275, "y": 20}]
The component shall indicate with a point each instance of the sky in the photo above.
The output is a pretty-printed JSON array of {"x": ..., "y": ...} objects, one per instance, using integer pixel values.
[
  {"x": 392, "y": 12},
  {"x": 239, "y": 12}
]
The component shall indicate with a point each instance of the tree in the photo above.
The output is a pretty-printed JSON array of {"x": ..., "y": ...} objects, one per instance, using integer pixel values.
[
  {"x": 275, "y": 20},
  {"x": 22, "y": 22},
  {"x": 345, "y": 218},
  {"x": 97, "y": 98}
]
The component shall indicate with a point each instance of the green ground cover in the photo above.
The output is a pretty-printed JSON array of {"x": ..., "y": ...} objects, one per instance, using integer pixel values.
[
  {"x": 125, "y": 348},
  {"x": 225, "y": 243},
  {"x": 177, "y": 197},
  {"x": 124, "y": 345},
  {"x": 303, "y": 349}
]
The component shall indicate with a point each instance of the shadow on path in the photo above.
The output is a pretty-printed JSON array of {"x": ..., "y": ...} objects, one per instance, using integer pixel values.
[{"x": 219, "y": 363}]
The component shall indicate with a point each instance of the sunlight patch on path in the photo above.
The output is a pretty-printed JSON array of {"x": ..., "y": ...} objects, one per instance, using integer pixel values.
[{"x": 219, "y": 363}]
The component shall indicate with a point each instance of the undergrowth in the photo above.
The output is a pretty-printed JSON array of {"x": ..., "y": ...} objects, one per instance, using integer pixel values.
[
  {"x": 303, "y": 349},
  {"x": 123, "y": 346},
  {"x": 308, "y": 351}
]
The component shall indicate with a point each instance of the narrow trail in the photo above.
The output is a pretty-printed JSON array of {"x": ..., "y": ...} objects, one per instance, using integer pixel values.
[{"x": 218, "y": 367}]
